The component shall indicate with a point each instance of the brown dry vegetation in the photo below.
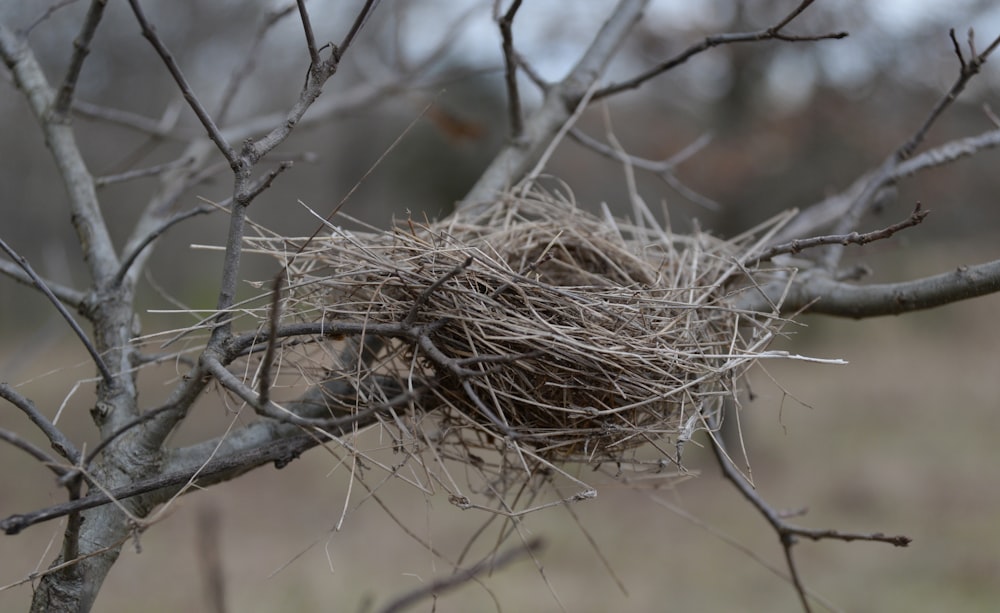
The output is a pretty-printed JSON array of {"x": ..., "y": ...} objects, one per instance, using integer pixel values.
[{"x": 901, "y": 440}]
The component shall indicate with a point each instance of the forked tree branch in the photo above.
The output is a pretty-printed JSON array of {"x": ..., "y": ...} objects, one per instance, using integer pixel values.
[
  {"x": 88, "y": 221},
  {"x": 886, "y": 172},
  {"x": 75, "y": 327},
  {"x": 827, "y": 212},
  {"x": 149, "y": 33},
  {"x": 516, "y": 159},
  {"x": 68, "y": 295},
  {"x": 59, "y": 441},
  {"x": 788, "y": 533},
  {"x": 772, "y": 33}
]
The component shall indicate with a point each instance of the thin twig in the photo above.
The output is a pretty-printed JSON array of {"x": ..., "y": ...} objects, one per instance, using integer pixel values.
[
  {"x": 125, "y": 119},
  {"x": 239, "y": 75},
  {"x": 359, "y": 22},
  {"x": 772, "y": 33},
  {"x": 459, "y": 578},
  {"x": 278, "y": 451},
  {"x": 966, "y": 71},
  {"x": 888, "y": 169},
  {"x": 34, "y": 451},
  {"x": 168, "y": 59},
  {"x": 787, "y": 533},
  {"x": 68, "y": 295},
  {"x": 59, "y": 442},
  {"x": 662, "y": 169},
  {"x": 152, "y": 236},
  {"x": 81, "y": 48},
  {"x": 854, "y": 238},
  {"x": 510, "y": 70},
  {"x": 314, "y": 58},
  {"x": 48, "y": 12},
  {"x": 421, "y": 301},
  {"x": 271, "y": 411},
  {"x": 262, "y": 184},
  {"x": 140, "y": 173},
  {"x": 40, "y": 284}
]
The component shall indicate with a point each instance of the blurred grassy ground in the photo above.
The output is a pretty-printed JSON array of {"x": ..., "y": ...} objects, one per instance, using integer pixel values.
[{"x": 902, "y": 440}]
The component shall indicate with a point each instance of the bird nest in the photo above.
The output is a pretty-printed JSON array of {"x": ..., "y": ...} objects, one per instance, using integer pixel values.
[{"x": 575, "y": 337}]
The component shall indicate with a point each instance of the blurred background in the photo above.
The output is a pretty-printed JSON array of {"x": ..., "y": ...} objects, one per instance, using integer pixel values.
[{"x": 901, "y": 441}]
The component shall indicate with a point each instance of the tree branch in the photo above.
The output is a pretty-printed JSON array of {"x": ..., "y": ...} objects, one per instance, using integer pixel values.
[
  {"x": 149, "y": 33},
  {"x": 461, "y": 577},
  {"x": 34, "y": 451},
  {"x": 59, "y": 442},
  {"x": 68, "y": 295},
  {"x": 854, "y": 238},
  {"x": 515, "y": 160},
  {"x": 887, "y": 171},
  {"x": 271, "y": 18},
  {"x": 815, "y": 292},
  {"x": 826, "y": 213},
  {"x": 155, "y": 234},
  {"x": 81, "y": 48},
  {"x": 787, "y": 532},
  {"x": 279, "y": 451},
  {"x": 94, "y": 354},
  {"x": 506, "y": 23},
  {"x": 92, "y": 232},
  {"x": 772, "y": 33}
]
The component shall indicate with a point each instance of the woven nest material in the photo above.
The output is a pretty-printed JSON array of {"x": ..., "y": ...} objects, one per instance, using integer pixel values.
[{"x": 575, "y": 336}]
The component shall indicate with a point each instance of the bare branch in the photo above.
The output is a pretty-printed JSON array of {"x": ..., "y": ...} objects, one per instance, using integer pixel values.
[
  {"x": 271, "y": 18},
  {"x": 68, "y": 295},
  {"x": 772, "y": 33},
  {"x": 168, "y": 59},
  {"x": 854, "y": 238},
  {"x": 280, "y": 451},
  {"x": 34, "y": 451},
  {"x": 827, "y": 212},
  {"x": 515, "y": 160},
  {"x": 510, "y": 70},
  {"x": 885, "y": 173},
  {"x": 140, "y": 173},
  {"x": 787, "y": 532},
  {"x": 40, "y": 284},
  {"x": 81, "y": 48},
  {"x": 314, "y": 58},
  {"x": 662, "y": 169},
  {"x": 461, "y": 577},
  {"x": 59, "y": 442},
  {"x": 155, "y": 234},
  {"x": 48, "y": 12},
  {"x": 359, "y": 22},
  {"x": 967, "y": 70},
  {"x": 92, "y": 232},
  {"x": 815, "y": 292},
  {"x": 125, "y": 119}
]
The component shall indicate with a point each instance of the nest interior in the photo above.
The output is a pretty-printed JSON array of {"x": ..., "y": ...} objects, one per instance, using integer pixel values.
[{"x": 579, "y": 337}]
